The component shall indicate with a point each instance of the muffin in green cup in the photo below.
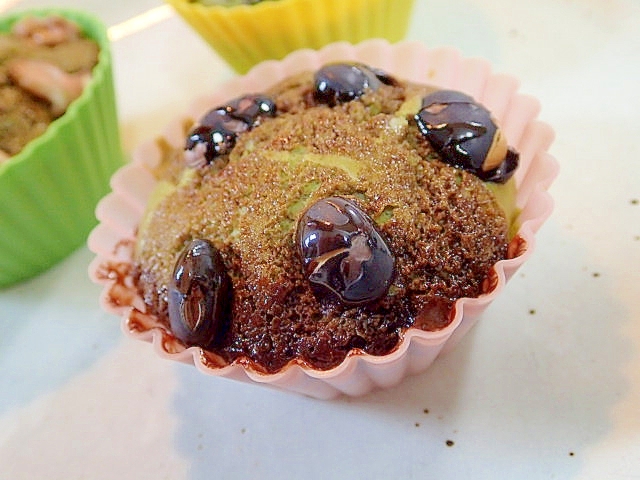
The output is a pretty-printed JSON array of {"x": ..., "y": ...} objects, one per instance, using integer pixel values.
[{"x": 49, "y": 189}]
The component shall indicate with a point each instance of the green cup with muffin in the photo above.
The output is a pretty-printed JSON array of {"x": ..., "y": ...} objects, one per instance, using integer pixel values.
[{"x": 59, "y": 137}]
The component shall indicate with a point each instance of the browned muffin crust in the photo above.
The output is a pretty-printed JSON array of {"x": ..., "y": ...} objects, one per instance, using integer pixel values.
[{"x": 442, "y": 224}]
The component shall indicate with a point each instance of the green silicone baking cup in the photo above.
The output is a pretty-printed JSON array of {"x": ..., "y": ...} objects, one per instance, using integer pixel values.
[{"x": 48, "y": 192}]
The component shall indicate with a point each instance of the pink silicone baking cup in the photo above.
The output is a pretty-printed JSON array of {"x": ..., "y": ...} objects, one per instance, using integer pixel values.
[{"x": 120, "y": 212}]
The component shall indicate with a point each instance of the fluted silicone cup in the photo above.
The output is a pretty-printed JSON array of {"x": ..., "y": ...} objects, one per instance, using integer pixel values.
[
  {"x": 244, "y": 35},
  {"x": 121, "y": 211},
  {"x": 48, "y": 192}
]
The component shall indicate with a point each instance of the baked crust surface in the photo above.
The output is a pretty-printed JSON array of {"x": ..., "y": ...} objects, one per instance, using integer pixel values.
[{"x": 442, "y": 224}]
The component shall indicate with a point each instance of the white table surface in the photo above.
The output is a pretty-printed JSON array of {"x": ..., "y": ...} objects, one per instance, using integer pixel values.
[{"x": 553, "y": 394}]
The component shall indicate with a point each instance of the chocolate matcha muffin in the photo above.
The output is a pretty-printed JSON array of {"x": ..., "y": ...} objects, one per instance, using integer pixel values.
[{"x": 327, "y": 214}]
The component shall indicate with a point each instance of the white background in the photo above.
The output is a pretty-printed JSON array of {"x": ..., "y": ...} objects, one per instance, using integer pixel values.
[{"x": 546, "y": 386}]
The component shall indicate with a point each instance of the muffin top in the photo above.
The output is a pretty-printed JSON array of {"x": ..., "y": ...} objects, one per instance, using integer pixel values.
[
  {"x": 45, "y": 63},
  {"x": 324, "y": 216}
]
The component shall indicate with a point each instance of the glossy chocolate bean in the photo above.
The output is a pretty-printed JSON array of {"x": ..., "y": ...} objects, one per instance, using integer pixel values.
[
  {"x": 381, "y": 75},
  {"x": 199, "y": 295},
  {"x": 217, "y": 131},
  {"x": 251, "y": 108},
  {"x": 343, "y": 82},
  {"x": 219, "y": 119},
  {"x": 342, "y": 252},
  {"x": 504, "y": 171},
  {"x": 210, "y": 141},
  {"x": 466, "y": 135}
]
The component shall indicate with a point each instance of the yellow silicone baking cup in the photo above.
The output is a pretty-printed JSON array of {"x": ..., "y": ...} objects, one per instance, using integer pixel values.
[{"x": 245, "y": 35}]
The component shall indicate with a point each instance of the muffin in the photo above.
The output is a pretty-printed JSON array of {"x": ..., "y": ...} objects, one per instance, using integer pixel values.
[
  {"x": 324, "y": 233},
  {"x": 246, "y": 33},
  {"x": 58, "y": 136}
]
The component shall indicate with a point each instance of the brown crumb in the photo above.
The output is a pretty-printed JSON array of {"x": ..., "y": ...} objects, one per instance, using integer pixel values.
[
  {"x": 450, "y": 443},
  {"x": 417, "y": 424},
  {"x": 635, "y": 201},
  {"x": 426, "y": 410},
  {"x": 532, "y": 311},
  {"x": 571, "y": 454},
  {"x": 595, "y": 274}
]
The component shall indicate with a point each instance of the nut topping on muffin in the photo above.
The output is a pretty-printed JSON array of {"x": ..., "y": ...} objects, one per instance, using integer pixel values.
[
  {"x": 48, "y": 81},
  {"x": 51, "y": 30}
]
